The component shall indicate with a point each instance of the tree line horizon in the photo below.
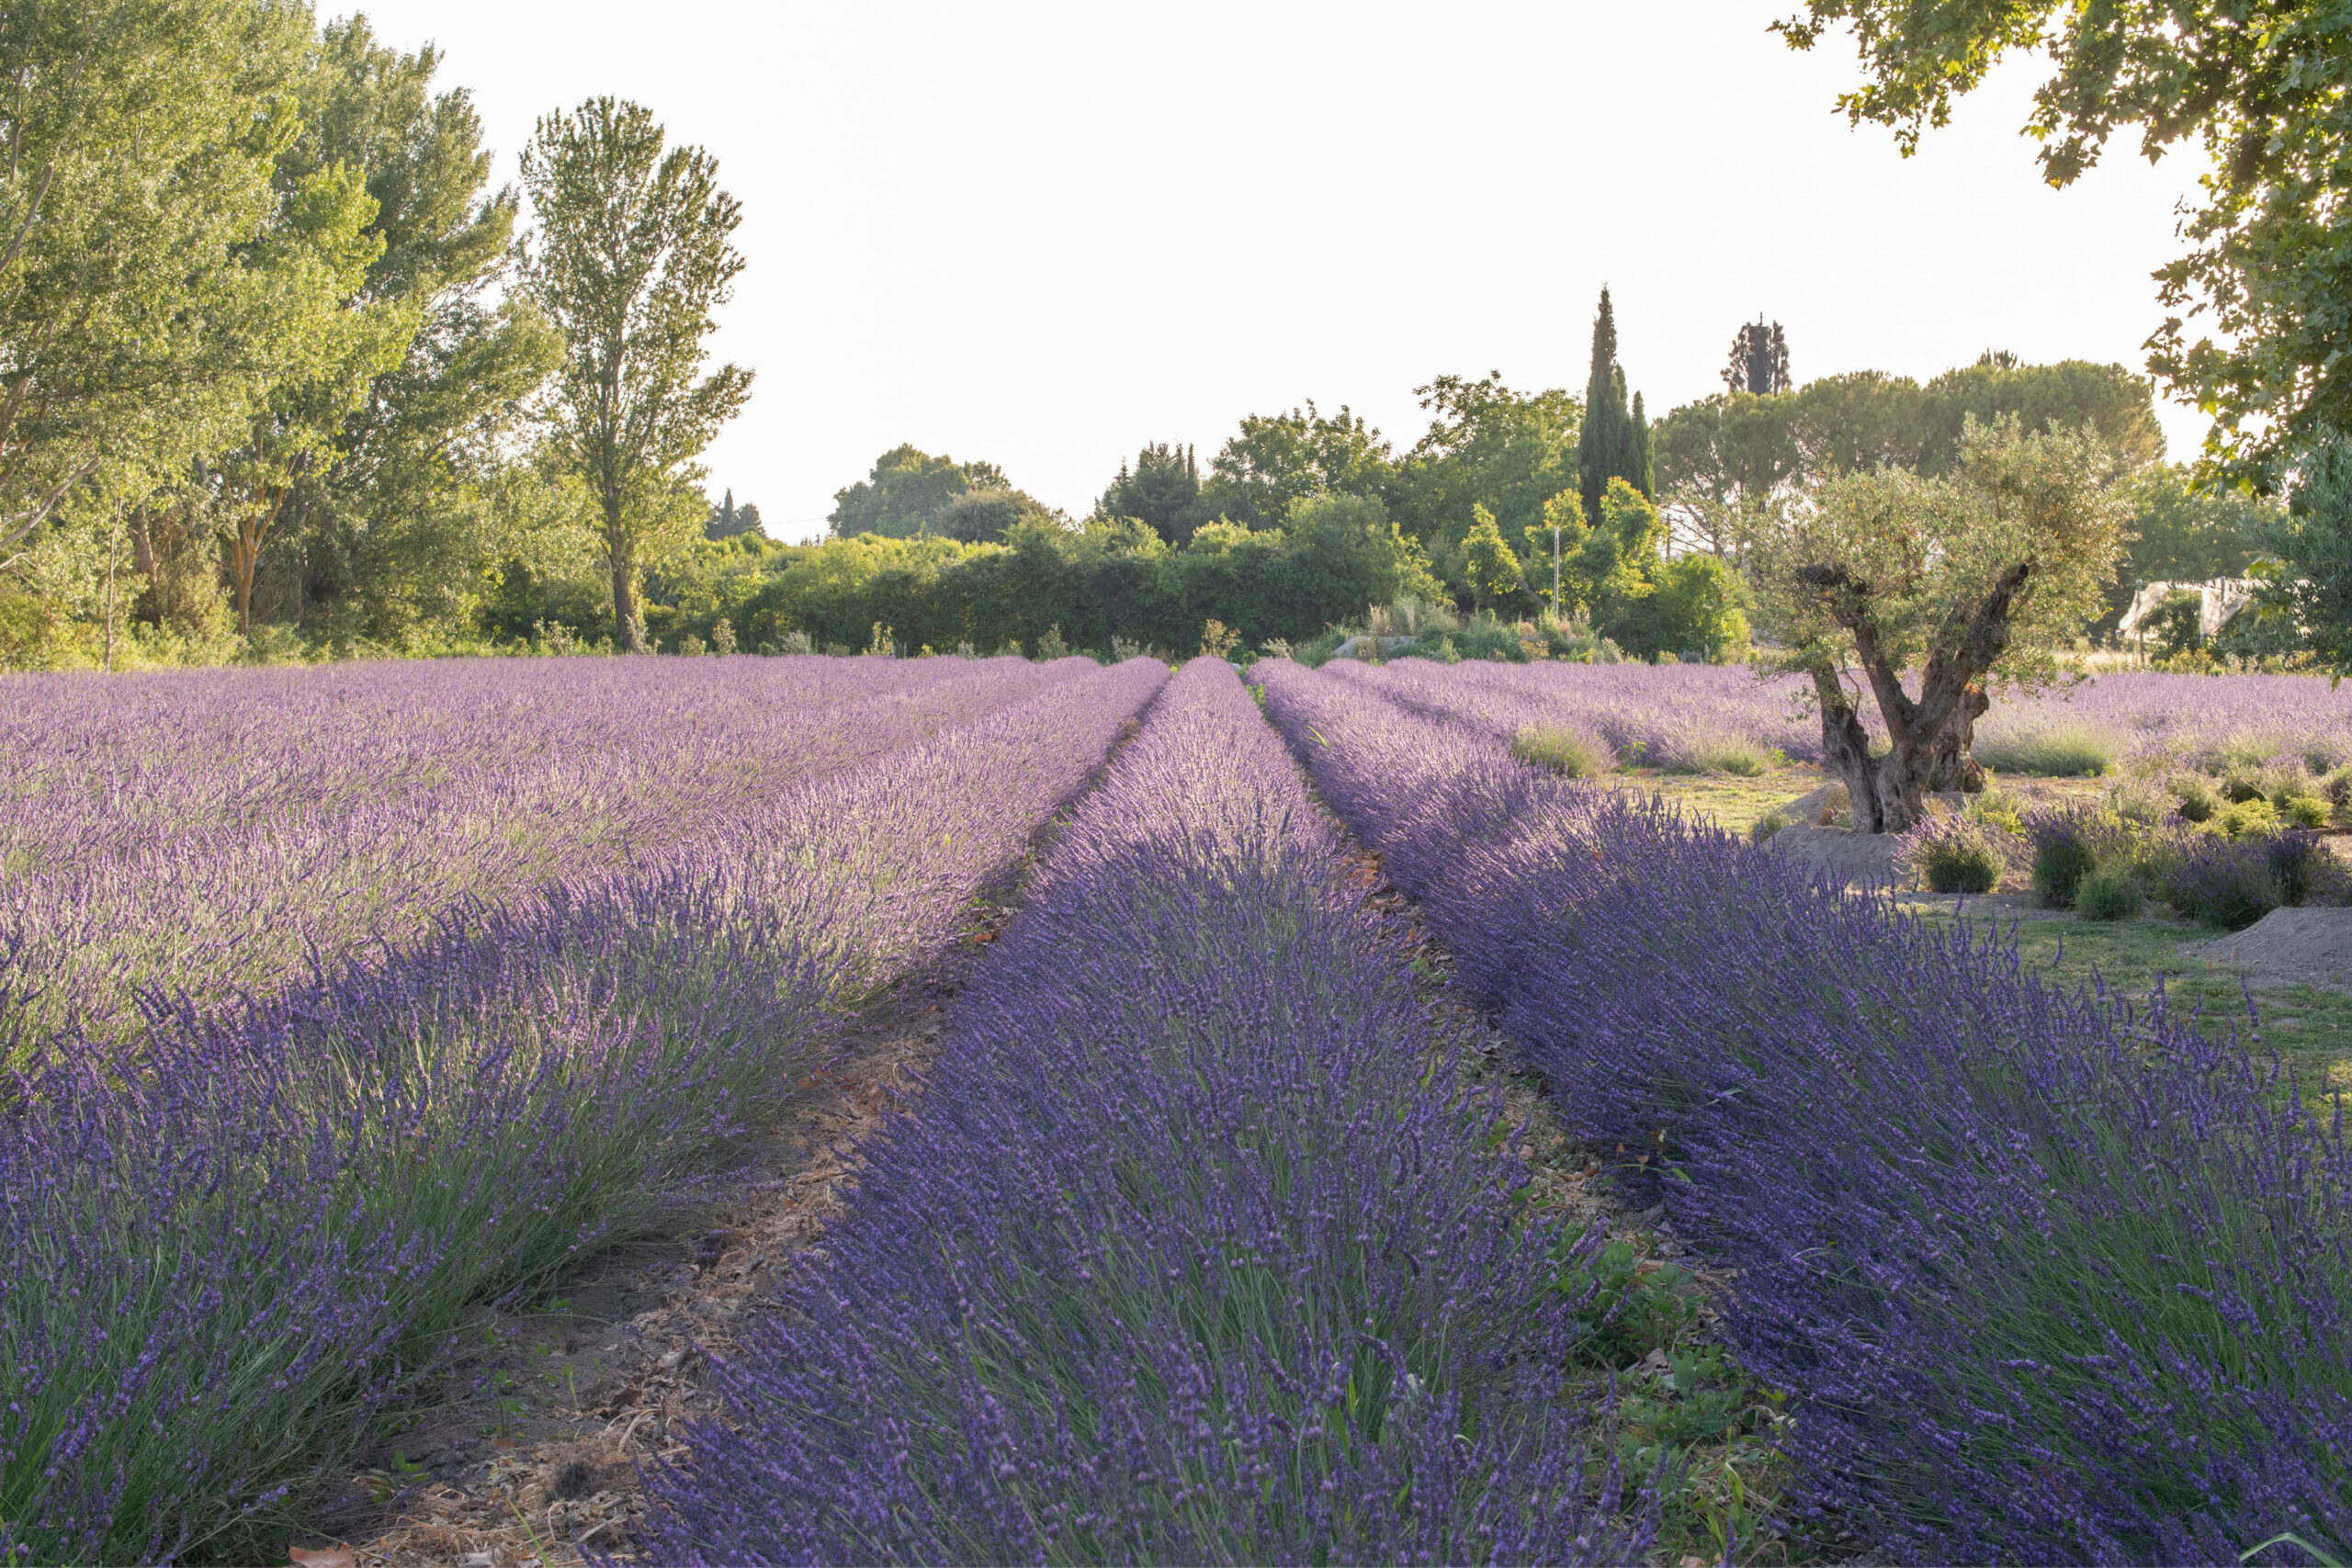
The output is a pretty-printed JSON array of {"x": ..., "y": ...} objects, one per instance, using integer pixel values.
[{"x": 285, "y": 378}]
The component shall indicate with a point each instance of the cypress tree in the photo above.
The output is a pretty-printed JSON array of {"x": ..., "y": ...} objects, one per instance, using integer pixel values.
[{"x": 1614, "y": 441}]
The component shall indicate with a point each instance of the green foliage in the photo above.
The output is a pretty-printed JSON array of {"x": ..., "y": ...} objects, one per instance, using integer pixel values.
[
  {"x": 2060, "y": 864},
  {"x": 2108, "y": 893},
  {"x": 1771, "y": 822},
  {"x": 1572, "y": 753},
  {"x": 1614, "y": 443},
  {"x": 1488, "y": 563},
  {"x": 908, "y": 493},
  {"x": 1278, "y": 460},
  {"x": 1162, "y": 490},
  {"x": 2315, "y": 541},
  {"x": 635, "y": 252},
  {"x": 1513, "y": 453},
  {"x": 2262, "y": 94},
  {"x": 2197, "y": 801},
  {"x": 2186, "y": 533},
  {"x": 1962, "y": 860},
  {"x": 990, "y": 516},
  {"x": 1112, "y": 579},
  {"x": 2249, "y": 818}
]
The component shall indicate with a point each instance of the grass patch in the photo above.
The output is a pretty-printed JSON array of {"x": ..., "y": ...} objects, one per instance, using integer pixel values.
[
  {"x": 1569, "y": 750},
  {"x": 2311, "y": 1028},
  {"x": 2057, "y": 751}
]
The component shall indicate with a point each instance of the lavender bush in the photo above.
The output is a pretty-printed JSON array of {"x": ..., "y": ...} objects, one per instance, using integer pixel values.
[
  {"x": 2052, "y": 1281},
  {"x": 231, "y": 1240},
  {"x": 1194, "y": 1251}
]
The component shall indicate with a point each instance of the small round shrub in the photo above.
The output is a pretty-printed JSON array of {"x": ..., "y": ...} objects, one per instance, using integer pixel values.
[
  {"x": 2197, "y": 801},
  {"x": 2239, "y": 788},
  {"x": 1737, "y": 754},
  {"x": 2254, "y": 818},
  {"x": 2305, "y": 811},
  {"x": 1767, "y": 824},
  {"x": 1570, "y": 752},
  {"x": 2109, "y": 893},
  {"x": 1954, "y": 855},
  {"x": 1999, "y": 809},
  {"x": 2063, "y": 856},
  {"x": 2222, "y": 882}
]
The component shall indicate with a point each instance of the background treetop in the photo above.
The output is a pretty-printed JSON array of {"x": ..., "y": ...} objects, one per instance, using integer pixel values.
[{"x": 2258, "y": 85}]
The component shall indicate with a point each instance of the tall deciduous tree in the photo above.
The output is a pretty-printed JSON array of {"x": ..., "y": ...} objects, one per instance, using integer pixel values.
[
  {"x": 394, "y": 510},
  {"x": 138, "y": 140},
  {"x": 907, "y": 493},
  {"x": 1971, "y": 578},
  {"x": 2260, "y": 84},
  {"x": 1614, "y": 443},
  {"x": 634, "y": 254}
]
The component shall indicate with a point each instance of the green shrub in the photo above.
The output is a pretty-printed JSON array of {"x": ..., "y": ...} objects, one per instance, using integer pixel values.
[
  {"x": 1999, "y": 809},
  {"x": 1956, "y": 858},
  {"x": 1771, "y": 822},
  {"x": 1737, "y": 754},
  {"x": 2109, "y": 893},
  {"x": 2061, "y": 861},
  {"x": 2241, "y": 787},
  {"x": 2250, "y": 818},
  {"x": 1571, "y": 753},
  {"x": 2305, "y": 811},
  {"x": 2197, "y": 801},
  {"x": 2055, "y": 750}
]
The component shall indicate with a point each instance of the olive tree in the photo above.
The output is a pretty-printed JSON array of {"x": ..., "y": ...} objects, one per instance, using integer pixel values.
[{"x": 1956, "y": 582}]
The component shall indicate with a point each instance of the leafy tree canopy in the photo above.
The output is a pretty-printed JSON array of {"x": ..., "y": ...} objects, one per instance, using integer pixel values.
[
  {"x": 1278, "y": 459},
  {"x": 1162, "y": 490},
  {"x": 636, "y": 251},
  {"x": 2259, "y": 84},
  {"x": 906, "y": 493}
]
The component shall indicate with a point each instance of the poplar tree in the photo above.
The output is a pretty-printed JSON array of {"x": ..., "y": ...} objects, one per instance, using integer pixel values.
[
  {"x": 634, "y": 255},
  {"x": 1615, "y": 440}
]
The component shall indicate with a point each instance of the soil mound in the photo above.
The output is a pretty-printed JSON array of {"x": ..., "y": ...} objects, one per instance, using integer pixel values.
[
  {"x": 1849, "y": 856},
  {"x": 2289, "y": 947}
]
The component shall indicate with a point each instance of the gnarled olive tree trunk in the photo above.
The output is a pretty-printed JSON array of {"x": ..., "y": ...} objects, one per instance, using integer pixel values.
[{"x": 1928, "y": 738}]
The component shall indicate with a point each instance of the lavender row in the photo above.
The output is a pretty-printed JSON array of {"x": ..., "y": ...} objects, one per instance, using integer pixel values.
[
  {"x": 1707, "y": 718},
  {"x": 2051, "y": 1283},
  {"x": 222, "y": 1256},
  {"x": 1190, "y": 1252},
  {"x": 1695, "y": 717},
  {"x": 214, "y": 833}
]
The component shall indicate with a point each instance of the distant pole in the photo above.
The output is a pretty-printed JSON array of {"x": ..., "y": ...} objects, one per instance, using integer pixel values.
[{"x": 1556, "y": 570}]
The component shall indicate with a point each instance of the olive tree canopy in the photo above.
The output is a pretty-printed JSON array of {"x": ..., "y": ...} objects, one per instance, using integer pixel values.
[{"x": 1958, "y": 581}]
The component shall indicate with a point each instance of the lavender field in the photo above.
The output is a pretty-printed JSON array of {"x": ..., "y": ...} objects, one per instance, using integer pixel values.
[
  {"x": 1706, "y": 718},
  {"x": 341, "y": 1004}
]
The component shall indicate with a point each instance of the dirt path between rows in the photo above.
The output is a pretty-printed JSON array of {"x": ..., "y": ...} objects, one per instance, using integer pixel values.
[
  {"x": 528, "y": 1446},
  {"x": 532, "y": 1450}
]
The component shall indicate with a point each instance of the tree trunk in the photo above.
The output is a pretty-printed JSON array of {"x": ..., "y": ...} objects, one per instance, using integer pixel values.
[
  {"x": 625, "y": 619},
  {"x": 1927, "y": 739}
]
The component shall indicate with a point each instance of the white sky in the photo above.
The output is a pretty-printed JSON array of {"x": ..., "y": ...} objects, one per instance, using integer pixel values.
[{"x": 1045, "y": 234}]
